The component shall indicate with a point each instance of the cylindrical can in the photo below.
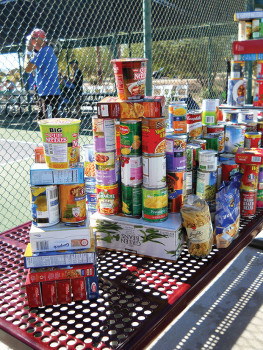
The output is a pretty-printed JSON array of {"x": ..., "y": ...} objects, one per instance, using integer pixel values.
[
  {"x": 176, "y": 182},
  {"x": 234, "y": 137},
  {"x": 200, "y": 142},
  {"x": 44, "y": 205},
  {"x": 104, "y": 134},
  {"x": 153, "y": 135},
  {"x": 246, "y": 116},
  {"x": 229, "y": 168},
  {"x": 89, "y": 160},
  {"x": 39, "y": 155},
  {"x": 189, "y": 182},
  {"x": 118, "y": 138},
  {"x": 213, "y": 129},
  {"x": 206, "y": 188},
  {"x": 177, "y": 117},
  {"x": 260, "y": 198},
  {"x": 210, "y": 111},
  {"x": 260, "y": 129},
  {"x": 189, "y": 157},
  {"x": 155, "y": 204},
  {"x": 194, "y": 123},
  {"x": 208, "y": 160},
  {"x": 226, "y": 156},
  {"x": 131, "y": 200},
  {"x": 72, "y": 199},
  {"x": 108, "y": 199},
  {"x": 249, "y": 179},
  {"x": 196, "y": 149},
  {"x": 106, "y": 168},
  {"x": 248, "y": 203},
  {"x": 131, "y": 170},
  {"x": 250, "y": 126},
  {"x": 255, "y": 28},
  {"x": 219, "y": 175},
  {"x": 154, "y": 170},
  {"x": 131, "y": 137},
  {"x": 215, "y": 142},
  {"x": 237, "y": 69},
  {"x": 176, "y": 152},
  {"x": 252, "y": 139}
]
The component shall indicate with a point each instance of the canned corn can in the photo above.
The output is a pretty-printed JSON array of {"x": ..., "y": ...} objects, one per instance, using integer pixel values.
[
  {"x": 260, "y": 198},
  {"x": 176, "y": 182},
  {"x": 153, "y": 135},
  {"x": 106, "y": 168},
  {"x": 194, "y": 124},
  {"x": 72, "y": 199},
  {"x": 131, "y": 137},
  {"x": 252, "y": 140},
  {"x": 178, "y": 117},
  {"x": 176, "y": 152},
  {"x": 234, "y": 137},
  {"x": 104, "y": 134},
  {"x": 108, "y": 199},
  {"x": 89, "y": 160},
  {"x": 131, "y": 170},
  {"x": 249, "y": 179},
  {"x": 248, "y": 203},
  {"x": 44, "y": 205},
  {"x": 154, "y": 170},
  {"x": 208, "y": 160},
  {"x": 131, "y": 200},
  {"x": 155, "y": 204},
  {"x": 229, "y": 168}
]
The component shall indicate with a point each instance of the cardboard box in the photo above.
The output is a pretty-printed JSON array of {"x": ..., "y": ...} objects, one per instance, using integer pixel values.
[
  {"x": 61, "y": 237},
  {"x": 79, "y": 289},
  {"x": 40, "y": 174},
  {"x": 161, "y": 240},
  {"x": 63, "y": 291},
  {"x": 33, "y": 291},
  {"x": 249, "y": 156},
  {"x": 49, "y": 293}
]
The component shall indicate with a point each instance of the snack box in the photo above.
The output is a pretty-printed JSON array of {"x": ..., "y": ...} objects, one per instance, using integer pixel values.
[
  {"x": 113, "y": 107},
  {"x": 40, "y": 174},
  {"x": 249, "y": 156},
  {"x": 58, "y": 258},
  {"x": 33, "y": 291},
  {"x": 60, "y": 273},
  {"x": 160, "y": 240},
  {"x": 61, "y": 237}
]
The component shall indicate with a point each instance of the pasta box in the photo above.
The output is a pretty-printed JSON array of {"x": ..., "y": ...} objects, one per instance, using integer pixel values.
[
  {"x": 249, "y": 156},
  {"x": 159, "y": 240}
]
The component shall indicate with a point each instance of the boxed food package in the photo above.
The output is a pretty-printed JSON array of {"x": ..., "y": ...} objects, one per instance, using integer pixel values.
[
  {"x": 249, "y": 156},
  {"x": 160, "y": 240},
  {"x": 59, "y": 236},
  {"x": 33, "y": 291}
]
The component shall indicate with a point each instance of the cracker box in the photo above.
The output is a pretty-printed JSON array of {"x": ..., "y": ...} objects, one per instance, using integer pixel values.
[
  {"x": 49, "y": 293},
  {"x": 161, "y": 240},
  {"x": 33, "y": 291},
  {"x": 63, "y": 291},
  {"x": 249, "y": 156},
  {"x": 79, "y": 289}
]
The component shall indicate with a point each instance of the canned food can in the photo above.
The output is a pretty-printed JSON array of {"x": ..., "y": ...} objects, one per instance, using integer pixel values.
[
  {"x": 200, "y": 142},
  {"x": 176, "y": 182},
  {"x": 196, "y": 149},
  {"x": 72, "y": 199},
  {"x": 176, "y": 152},
  {"x": 213, "y": 129},
  {"x": 153, "y": 135},
  {"x": 155, "y": 204},
  {"x": 206, "y": 184},
  {"x": 189, "y": 182},
  {"x": 260, "y": 198},
  {"x": 44, "y": 205},
  {"x": 237, "y": 69},
  {"x": 189, "y": 157},
  {"x": 177, "y": 116},
  {"x": 210, "y": 111},
  {"x": 118, "y": 138},
  {"x": 154, "y": 170},
  {"x": 250, "y": 126},
  {"x": 208, "y": 160},
  {"x": 104, "y": 134},
  {"x": 131, "y": 170},
  {"x": 227, "y": 115},
  {"x": 219, "y": 175},
  {"x": 229, "y": 168},
  {"x": 246, "y": 116},
  {"x": 248, "y": 203},
  {"x": 131, "y": 200},
  {"x": 89, "y": 160},
  {"x": 194, "y": 123},
  {"x": 131, "y": 137},
  {"x": 260, "y": 129},
  {"x": 226, "y": 156},
  {"x": 215, "y": 142},
  {"x": 234, "y": 137},
  {"x": 249, "y": 179},
  {"x": 108, "y": 199},
  {"x": 106, "y": 168},
  {"x": 252, "y": 139},
  {"x": 39, "y": 155}
]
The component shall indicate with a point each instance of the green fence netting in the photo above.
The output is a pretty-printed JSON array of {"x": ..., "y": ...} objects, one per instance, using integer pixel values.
[{"x": 191, "y": 42}]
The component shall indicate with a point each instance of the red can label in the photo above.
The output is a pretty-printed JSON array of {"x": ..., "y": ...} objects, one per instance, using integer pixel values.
[
  {"x": 211, "y": 129},
  {"x": 249, "y": 180},
  {"x": 108, "y": 199},
  {"x": 252, "y": 140},
  {"x": 248, "y": 203},
  {"x": 153, "y": 135},
  {"x": 194, "y": 124},
  {"x": 229, "y": 168}
]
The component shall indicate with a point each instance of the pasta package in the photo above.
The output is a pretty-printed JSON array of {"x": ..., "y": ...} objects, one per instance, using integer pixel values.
[
  {"x": 197, "y": 222},
  {"x": 227, "y": 212}
]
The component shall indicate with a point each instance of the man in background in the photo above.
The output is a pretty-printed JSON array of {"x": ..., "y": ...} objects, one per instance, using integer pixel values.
[{"x": 77, "y": 81}]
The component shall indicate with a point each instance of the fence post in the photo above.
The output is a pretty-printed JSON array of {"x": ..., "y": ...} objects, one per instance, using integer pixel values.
[
  {"x": 249, "y": 64},
  {"x": 147, "y": 43}
]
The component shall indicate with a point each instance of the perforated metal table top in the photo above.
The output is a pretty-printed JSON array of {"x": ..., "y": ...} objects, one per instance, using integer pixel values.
[{"x": 139, "y": 296}]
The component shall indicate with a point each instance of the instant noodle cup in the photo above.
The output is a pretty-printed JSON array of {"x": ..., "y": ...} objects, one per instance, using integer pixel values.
[
  {"x": 130, "y": 76},
  {"x": 60, "y": 140}
]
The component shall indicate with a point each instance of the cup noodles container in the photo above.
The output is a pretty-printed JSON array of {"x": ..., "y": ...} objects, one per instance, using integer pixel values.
[
  {"x": 210, "y": 108},
  {"x": 153, "y": 135},
  {"x": 208, "y": 160},
  {"x": 248, "y": 203},
  {"x": 249, "y": 156},
  {"x": 130, "y": 76},
  {"x": 194, "y": 123},
  {"x": 252, "y": 139},
  {"x": 60, "y": 140},
  {"x": 236, "y": 92}
]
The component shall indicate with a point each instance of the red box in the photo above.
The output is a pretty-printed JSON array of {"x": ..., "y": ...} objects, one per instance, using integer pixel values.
[
  {"x": 249, "y": 156},
  {"x": 49, "y": 295},
  {"x": 63, "y": 292},
  {"x": 33, "y": 291},
  {"x": 79, "y": 289},
  {"x": 247, "y": 46},
  {"x": 60, "y": 273},
  {"x": 153, "y": 106}
]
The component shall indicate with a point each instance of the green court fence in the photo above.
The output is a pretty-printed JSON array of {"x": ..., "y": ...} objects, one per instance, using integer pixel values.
[{"x": 187, "y": 44}]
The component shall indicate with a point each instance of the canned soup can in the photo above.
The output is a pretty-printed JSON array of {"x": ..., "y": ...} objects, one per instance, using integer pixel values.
[
  {"x": 154, "y": 170},
  {"x": 131, "y": 200},
  {"x": 108, "y": 199},
  {"x": 248, "y": 203},
  {"x": 229, "y": 168},
  {"x": 249, "y": 179},
  {"x": 208, "y": 160},
  {"x": 131, "y": 137},
  {"x": 153, "y": 135},
  {"x": 178, "y": 116},
  {"x": 44, "y": 205},
  {"x": 176, "y": 152},
  {"x": 234, "y": 137},
  {"x": 194, "y": 124},
  {"x": 176, "y": 182},
  {"x": 104, "y": 134},
  {"x": 106, "y": 168},
  {"x": 72, "y": 200},
  {"x": 252, "y": 139},
  {"x": 131, "y": 170},
  {"x": 155, "y": 204}
]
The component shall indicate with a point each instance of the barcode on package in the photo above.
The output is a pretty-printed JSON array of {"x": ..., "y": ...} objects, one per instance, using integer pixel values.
[
  {"x": 209, "y": 119},
  {"x": 256, "y": 159},
  {"x": 53, "y": 194},
  {"x": 210, "y": 166},
  {"x": 42, "y": 245}
]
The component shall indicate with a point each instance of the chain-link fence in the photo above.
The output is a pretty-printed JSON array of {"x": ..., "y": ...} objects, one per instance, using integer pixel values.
[{"x": 191, "y": 41}]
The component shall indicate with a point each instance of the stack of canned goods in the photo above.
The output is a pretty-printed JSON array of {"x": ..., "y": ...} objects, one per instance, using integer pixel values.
[
  {"x": 260, "y": 188},
  {"x": 131, "y": 166},
  {"x": 248, "y": 189},
  {"x": 154, "y": 190},
  {"x": 90, "y": 178}
]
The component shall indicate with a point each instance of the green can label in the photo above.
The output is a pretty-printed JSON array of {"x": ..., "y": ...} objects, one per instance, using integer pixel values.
[
  {"x": 155, "y": 204},
  {"x": 131, "y": 137},
  {"x": 131, "y": 200}
]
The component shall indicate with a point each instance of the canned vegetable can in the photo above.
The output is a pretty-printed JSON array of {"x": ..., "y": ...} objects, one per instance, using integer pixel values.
[
  {"x": 154, "y": 170},
  {"x": 248, "y": 203},
  {"x": 131, "y": 170},
  {"x": 131, "y": 137},
  {"x": 176, "y": 152},
  {"x": 153, "y": 135},
  {"x": 131, "y": 200},
  {"x": 104, "y": 134},
  {"x": 108, "y": 199},
  {"x": 155, "y": 204}
]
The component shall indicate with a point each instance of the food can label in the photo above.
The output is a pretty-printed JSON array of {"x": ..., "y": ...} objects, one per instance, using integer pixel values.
[
  {"x": 131, "y": 200},
  {"x": 131, "y": 170},
  {"x": 176, "y": 182},
  {"x": 177, "y": 117},
  {"x": 72, "y": 203},
  {"x": 131, "y": 138},
  {"x": 106, "y": 168},
  {"x": 104, "y": 134},
  {"x": 175, "y": 155},
  {"x": 153, "y": 135},
  {"x": 155, "y": 204},
  {"x": 206, "y": 185},
  {"x": 189, "y": 182},
  {"x": 154, "y": 171},
  {"x": 252, "y": 140},
  {"x": 194, "y": 124},
  {"x": 108, "y": 199},
  {"x": 248, "y": 203},
  {"x": 234, "y": 138},
  {"x": 249, "y": 179}
]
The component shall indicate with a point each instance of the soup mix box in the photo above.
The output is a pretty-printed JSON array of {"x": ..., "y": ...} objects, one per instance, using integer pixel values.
[
  {"x": 249, "y": 156},
  {"x": 160, "y": 240}
]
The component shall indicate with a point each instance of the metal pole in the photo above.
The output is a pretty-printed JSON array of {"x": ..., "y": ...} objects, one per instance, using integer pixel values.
[{"x": 147, "y": 42}]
